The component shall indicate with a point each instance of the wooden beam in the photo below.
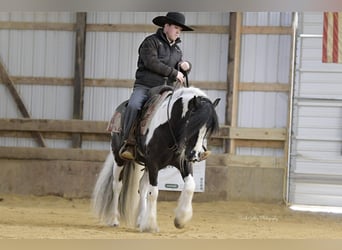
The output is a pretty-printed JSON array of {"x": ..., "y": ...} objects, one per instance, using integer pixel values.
[
  {"x": 149, "y": 28},
  {"x": 70, "y": 154},
  {"x": 217, "y": 160},
  {"x": 267, "y": 30},
  {"x": 209, "y": 85},
  {"x": 10, "y": 25},
  {"x": 264, "y": 87},
  {"x": 146, "y": 28},
  {"x": 259, "y": 143},
  {"x": 117, "y": 83},
  {"x": 67, "y": 154},
  {"x": 81, "y": 18},
  {"x": 232, "y": 160},
  {"x": 127, "y": 83},
  {"x": 105, "y": 137},
  {"x": 243, "y": 143},
  {"x": 215, "y": 140},
  {"x": 274, "y": 134},
  {"x": 30, "y": 80},
  {"x": 105, "y": 82},
  {"x": 233, "y": 73},
  {"x": 255, "y": 161},
  {"x": 18, "y": 100},
  {"x": 46, "y": 125}
]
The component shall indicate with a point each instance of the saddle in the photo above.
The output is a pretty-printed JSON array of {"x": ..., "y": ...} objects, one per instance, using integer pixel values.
[{"x": 156, "y": 96}]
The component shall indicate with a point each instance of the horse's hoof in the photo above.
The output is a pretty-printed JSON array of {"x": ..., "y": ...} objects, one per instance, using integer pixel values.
[
  {"x": 149, "y": 229},
  {"x": 113, "y": 223},
  {"x": 178, "y": 225}
]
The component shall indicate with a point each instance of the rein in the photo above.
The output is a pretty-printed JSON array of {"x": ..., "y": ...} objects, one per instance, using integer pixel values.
[{"x": 175, "y": 146}]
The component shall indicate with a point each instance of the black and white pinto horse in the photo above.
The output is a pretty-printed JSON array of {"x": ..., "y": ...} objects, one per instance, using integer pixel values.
[{"x": 128, "y": 191}]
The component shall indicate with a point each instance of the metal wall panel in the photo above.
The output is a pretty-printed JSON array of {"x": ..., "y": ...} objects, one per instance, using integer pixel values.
[
  {"x": 38, "y": 53},
  {"x": 113, "y": 55},
  {"x": 315, "y": 175},
  {"x": 264, "y": 59},
  {"x": 109, "y": 55}
]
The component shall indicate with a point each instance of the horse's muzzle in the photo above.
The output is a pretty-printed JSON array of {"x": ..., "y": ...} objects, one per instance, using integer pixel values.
[
  {"x": 194, "y": 156},
  {"x": 199, "y": 156}
]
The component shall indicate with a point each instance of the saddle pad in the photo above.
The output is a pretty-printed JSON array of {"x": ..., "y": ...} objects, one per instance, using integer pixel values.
[{"x": 114, "y": 124}]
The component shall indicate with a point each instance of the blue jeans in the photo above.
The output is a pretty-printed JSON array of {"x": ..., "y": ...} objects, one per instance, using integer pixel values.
[{"x": 135, "y": 103}]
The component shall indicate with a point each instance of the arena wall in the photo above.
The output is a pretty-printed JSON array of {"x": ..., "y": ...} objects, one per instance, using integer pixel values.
[{"x": 53, "y": 114}]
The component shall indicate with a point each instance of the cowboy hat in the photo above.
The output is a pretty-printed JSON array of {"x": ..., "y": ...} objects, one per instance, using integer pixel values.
[{"x": 175, "y": 18}]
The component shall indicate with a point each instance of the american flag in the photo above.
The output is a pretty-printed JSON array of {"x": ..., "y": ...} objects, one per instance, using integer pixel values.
[{"x": 332, "y": 37}]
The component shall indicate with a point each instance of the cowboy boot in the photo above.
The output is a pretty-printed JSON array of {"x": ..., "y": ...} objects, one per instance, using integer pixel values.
[{"x": 127, "y": 150}]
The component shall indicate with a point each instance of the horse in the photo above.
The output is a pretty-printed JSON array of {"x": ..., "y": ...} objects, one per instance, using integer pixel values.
[{"x": 173, "y": 135}]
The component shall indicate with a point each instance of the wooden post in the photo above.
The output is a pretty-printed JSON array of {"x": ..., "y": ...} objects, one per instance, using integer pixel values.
[
  {"x": 235, "y": 22},
  {"x": 79, "y": 73},
  {"x": 6, "y": 79}
]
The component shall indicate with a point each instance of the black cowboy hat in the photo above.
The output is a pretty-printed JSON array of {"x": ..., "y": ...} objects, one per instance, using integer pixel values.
[{"x": 175, "y": 18}]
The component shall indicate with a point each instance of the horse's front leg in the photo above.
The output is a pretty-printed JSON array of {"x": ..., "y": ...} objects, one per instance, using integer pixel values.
[
  {"x": 183, "y": 212},
  {"x": 148, "y": 222}
]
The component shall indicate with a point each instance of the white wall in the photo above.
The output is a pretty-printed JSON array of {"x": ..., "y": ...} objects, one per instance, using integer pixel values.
[
  {"x": 316, "y": 160},
  {"x": 264, "y": 59}
]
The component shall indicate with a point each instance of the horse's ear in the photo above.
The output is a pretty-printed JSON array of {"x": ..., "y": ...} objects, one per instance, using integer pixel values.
[
  {"x": 194, "y": 102},
  {"x": 216, "y": 102},
  {"x": 197, "y": 101}
]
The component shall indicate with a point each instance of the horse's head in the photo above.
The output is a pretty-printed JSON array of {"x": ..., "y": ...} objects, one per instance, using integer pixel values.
[
  {"x": 181, "y": 124},
  {"x": 201, "y": 122}
]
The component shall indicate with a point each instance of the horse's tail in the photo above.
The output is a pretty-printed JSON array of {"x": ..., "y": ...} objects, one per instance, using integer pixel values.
[
  {"x": 102, "y": 197},
  {"x": 129, "y": 197}
]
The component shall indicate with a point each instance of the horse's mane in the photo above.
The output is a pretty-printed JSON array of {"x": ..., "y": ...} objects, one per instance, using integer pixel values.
[
  {"x": 202, "y": 112},
  {"x": 205, "y": 114}
]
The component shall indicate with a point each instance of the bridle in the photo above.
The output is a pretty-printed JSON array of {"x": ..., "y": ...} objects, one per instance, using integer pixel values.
[{"x": 175, "y": 146}]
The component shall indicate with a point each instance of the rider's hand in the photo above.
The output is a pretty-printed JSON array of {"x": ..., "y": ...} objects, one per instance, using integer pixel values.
[
  {"x": 180, "y": 77},
  {"x": 185, "y": 66}
]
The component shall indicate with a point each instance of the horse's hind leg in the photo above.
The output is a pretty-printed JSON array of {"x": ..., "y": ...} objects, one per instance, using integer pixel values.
[
  {"x": 184, "y": 208},
  {"x": 143, "y": 189},
  {"x": 148, "y": 218},
  {"x": 117, "y": 186}
]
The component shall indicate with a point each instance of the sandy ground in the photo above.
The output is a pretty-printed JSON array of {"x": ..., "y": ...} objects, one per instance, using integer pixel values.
[{"x": 31, "y": 217}]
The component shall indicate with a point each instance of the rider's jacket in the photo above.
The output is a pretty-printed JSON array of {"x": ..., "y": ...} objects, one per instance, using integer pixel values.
[{"x": 158, "y": 60}]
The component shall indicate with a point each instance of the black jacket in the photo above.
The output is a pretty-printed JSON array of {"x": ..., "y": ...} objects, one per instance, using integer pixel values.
[{"x": 158, "y": 60}]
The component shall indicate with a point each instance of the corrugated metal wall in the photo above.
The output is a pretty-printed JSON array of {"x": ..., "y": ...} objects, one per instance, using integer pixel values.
[
  {"x": 316, "y": 161},
  {"x": 113, "y": 55},
  {"x": 109, "y": 55},
  {"x": 265, "y": 58},
  {"x": 38, "y": 53}
]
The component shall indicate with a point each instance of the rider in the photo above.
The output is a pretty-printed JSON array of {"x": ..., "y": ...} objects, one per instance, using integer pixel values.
[{"x": 160, "y": 62}]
